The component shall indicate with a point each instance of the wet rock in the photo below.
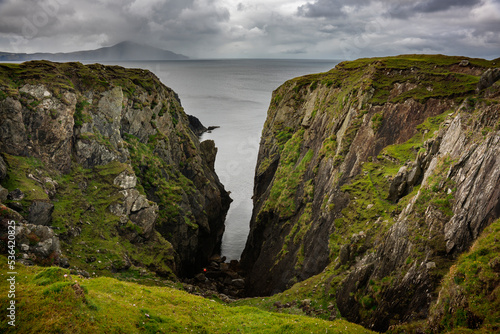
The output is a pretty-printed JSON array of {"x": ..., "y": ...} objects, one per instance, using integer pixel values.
[{"x": 40, "y": 213}]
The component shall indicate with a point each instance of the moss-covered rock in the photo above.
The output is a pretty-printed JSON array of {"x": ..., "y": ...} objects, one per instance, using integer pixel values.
[
  {"x": 401, "y": 177},
  {"x": 120, "y": 181}
]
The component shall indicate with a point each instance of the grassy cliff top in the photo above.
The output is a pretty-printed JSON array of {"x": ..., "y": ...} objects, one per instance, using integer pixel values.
[
  {"x": 49, "y": 302},
  {"x": 74, "y": 76},
  {"x": 435, "y": 76}
]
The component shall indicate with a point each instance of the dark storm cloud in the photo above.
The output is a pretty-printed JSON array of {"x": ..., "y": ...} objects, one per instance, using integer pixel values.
[
  {"x": 431, "y": 6},
  {"x": 25, "y": 22},
  {"x": 256, "y": 28}
]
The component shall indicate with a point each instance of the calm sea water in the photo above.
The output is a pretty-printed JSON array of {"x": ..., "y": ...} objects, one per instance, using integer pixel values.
[{"x": 233, "y": 94}]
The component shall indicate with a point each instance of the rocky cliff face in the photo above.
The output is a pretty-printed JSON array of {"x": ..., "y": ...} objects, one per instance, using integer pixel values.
[
  {"x": 105, "y": 157},
  {"x": 375, "y": 177}
]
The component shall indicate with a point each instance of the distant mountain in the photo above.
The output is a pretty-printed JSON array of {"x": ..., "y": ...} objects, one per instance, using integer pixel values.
[{"x": 121, "y": 51}]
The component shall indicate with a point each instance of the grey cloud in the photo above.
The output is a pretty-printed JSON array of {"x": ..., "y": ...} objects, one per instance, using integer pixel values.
[
  {"x": 430, "y": 6},
  {"x": 327, "y": 8}
]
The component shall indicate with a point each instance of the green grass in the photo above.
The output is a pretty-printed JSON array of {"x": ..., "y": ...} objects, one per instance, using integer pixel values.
[
  {"x": 288, "y": 177},
  {"x": 169, "y": 191},
  {"x": 469, "y": 297},
  {"x": 112, "y": 306},
  {"x": 475, "y": 278}
]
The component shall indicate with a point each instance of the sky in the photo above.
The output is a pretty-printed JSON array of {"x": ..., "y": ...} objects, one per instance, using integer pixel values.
[{"x": 305, "y": 29}]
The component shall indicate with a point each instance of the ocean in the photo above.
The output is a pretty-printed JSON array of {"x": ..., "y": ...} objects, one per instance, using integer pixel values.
[{"x": 233, "y": 94}]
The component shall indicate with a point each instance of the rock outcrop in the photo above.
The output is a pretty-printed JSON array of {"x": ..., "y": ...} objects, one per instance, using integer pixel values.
[
  {"x": 107, "y": 159},
  {"x": 371, "y": 180}
]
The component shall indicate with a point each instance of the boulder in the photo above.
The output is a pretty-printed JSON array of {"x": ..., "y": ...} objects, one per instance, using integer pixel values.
[
  {"x": 125, "y": 180},
  {"x": 3, "y": 194},
  {"x": 16, "y": 195},
  {"x": 40, "y": 213},
  {"x": 488, "y": 78},
  {"x": 45, "y": 247},
  {"x": 146, "y": 219}
]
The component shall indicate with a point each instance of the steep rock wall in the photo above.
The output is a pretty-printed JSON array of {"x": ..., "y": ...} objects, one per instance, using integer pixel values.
[
  {"x": 123, "y": 138},
  {"x": 375, "y": 176}
]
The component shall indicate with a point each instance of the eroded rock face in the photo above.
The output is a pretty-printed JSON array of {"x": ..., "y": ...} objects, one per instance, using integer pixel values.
[
  {"x": 376, "y": 190},
  {"x": 92, "y": 116},
  {"x": 36, "y": 244}
]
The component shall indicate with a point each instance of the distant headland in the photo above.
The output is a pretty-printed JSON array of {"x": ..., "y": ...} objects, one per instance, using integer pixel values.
[{"x": 122, "y": 51}]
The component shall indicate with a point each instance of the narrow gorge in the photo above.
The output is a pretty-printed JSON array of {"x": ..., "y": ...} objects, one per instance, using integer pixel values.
[{"x": 376, "y": 199}]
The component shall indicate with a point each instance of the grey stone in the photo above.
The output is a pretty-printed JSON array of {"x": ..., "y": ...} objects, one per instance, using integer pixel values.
[
  {"x": 140, "y": 203},
  {"x": 345, "y": 253},
  {"x": 488, "y": 78},
  {"x": 146, "y": 219},
  {"x": 16, "y": 195},
  {"x": 37, "y": 91},
  {"x": 414, "y": 174},
  {"x": 3, "y": 194},
  {"x": 46, "y": 246},
  {"x": 464, "y": 63},
  {"x": 40, "y": 213},
  {"x": 126, "y": 180}
]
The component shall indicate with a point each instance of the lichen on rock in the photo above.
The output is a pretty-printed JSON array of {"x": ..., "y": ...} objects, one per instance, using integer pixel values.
[
  {"x": 401, "y": 178},
  {"x": 106, "y": 158}
]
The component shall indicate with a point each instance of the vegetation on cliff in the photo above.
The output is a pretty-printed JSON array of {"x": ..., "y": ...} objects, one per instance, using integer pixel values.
[
  {"x": 104, "y": 158},
  {"x": 401, "y": 178}
]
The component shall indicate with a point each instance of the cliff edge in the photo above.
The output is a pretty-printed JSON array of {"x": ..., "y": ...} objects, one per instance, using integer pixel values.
[
  {"x": 371, "y": 180},
  {"x": 102, "y": 173}
]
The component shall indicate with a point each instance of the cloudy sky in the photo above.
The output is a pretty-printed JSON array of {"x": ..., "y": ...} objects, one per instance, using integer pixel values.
[{"x": 328, "y": 29}]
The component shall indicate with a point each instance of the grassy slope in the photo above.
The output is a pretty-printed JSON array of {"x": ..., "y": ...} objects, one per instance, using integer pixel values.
[
  {"x": 48, "y": 303},
  {"x": 98, "y": 247}
]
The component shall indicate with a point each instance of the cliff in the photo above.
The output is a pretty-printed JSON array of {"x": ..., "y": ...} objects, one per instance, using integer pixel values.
[
  {"x": 372, "y": 179},
  {"x": 102, "y": 172}
]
